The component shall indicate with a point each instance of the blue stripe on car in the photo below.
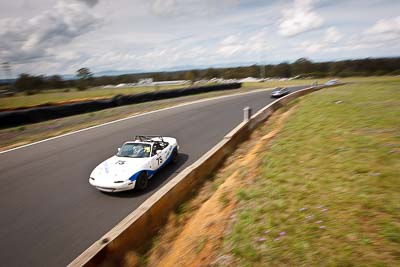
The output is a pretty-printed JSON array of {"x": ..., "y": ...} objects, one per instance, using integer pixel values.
[{"x": 151, "y": 172}]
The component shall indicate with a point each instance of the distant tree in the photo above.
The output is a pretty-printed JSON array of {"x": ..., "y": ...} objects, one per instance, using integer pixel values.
[
  {"x": 85, "y": 76},
  {"x": 282, "y": 70},
  {"x": 23, "y": 83},
  {"x": 55, "y": 81},
  {"x": 190, "y": 76},
  {"x": 211, "y": 73},
  {"x": 84, "y": 73},
  {"x": 29, "y": 84},
  {"x": 302, "y": 66}
]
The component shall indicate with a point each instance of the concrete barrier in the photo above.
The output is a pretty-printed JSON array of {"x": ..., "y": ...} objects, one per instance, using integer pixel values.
[{"x": 139, "y": 227}]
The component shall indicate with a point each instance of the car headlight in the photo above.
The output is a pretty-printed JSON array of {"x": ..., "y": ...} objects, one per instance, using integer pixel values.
[{"x": 91, "y": 178}]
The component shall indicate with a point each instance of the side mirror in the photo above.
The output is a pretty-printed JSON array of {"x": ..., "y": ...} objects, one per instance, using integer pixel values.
[
  {"x": 119, "y": 149},
  {"x": 158, "y": 152}
]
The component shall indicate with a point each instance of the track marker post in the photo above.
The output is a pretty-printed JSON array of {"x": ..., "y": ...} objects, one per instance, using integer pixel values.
[{"x": 246, "y": 114}]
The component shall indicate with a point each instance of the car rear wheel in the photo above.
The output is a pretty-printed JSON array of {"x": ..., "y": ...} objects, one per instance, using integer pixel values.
[
  {"x": 174, "y": 159},
  {"x": 142, "y": 181}
]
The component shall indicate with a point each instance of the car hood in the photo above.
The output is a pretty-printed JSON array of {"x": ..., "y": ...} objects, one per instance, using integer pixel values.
[{"x": 119, "y": 168}]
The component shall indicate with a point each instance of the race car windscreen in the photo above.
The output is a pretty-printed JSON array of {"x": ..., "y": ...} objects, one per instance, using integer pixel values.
[{"x": 135, "y": 150}]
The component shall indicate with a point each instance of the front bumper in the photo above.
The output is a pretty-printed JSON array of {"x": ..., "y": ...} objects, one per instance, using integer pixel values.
[
  {"x": 278, "y": 95},
  {"x": 113, "y": 187}
]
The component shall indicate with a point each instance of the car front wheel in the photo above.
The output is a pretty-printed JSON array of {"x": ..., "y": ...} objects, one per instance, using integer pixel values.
[{"x": 142, "y": 181}]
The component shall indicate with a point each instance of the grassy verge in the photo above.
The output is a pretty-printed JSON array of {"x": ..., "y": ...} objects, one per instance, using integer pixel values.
[
  {"x": 326, "y": 191},
  {"x": 275, "y": 83},
  {"x": 72, "y": 94}
]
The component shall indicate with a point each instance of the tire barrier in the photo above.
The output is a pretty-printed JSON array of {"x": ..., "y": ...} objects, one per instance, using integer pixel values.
[{"x": 49, "y": 112}]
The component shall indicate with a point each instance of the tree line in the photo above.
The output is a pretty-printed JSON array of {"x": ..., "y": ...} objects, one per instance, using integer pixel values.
[{"x": 303, "y": 67}]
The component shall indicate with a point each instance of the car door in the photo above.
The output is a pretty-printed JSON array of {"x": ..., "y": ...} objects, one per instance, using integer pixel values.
[
  {"x": 286, "y": 91},
  {"x": 156, "y": 159},
  {"x": 165, "y": 151}
]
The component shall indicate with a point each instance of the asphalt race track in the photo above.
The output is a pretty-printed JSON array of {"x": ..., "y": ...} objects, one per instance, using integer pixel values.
[{"x": 49, "y": 212}]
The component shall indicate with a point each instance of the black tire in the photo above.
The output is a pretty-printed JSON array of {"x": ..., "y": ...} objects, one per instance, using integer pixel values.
[
  {"x": 142, "y": 181},
  {"x": 174, "y": 159}
]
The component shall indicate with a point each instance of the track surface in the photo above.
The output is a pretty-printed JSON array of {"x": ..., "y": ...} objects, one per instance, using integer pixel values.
[{"x": 49, "y": 213}]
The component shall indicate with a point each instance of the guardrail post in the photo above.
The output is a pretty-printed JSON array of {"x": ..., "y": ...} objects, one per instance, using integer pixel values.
[{"x": 246, "y": 114}]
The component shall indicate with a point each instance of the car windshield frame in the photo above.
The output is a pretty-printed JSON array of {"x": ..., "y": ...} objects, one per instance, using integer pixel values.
[{"x": 135, "y": 150}]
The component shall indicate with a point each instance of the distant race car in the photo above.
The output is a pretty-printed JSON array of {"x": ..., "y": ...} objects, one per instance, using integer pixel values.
[
  {"x": 279, "y": 92},
  {"x": 332, "y": 82},
  {"x": 134, "y": 164}
]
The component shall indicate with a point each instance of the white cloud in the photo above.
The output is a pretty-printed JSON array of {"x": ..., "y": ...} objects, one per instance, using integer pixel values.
[
  {"x": 230, "y": 45},
  {"x": 90, "y": 2},
  {"x": 36, "y": 37},
  {"x": 299, "y": 18},
  {"x": 231, "y": 39},
  {"x": 173, "y": 8},
  {"x": 383, "y": 35},
  {"x": 165, "y": 7},
  {"x": 245, "y": 45},
  {"x": 332, "y": 35},
  {"x": 385, "y": 29},
  {"x": 310, "y": 47},
  {"x": 388, "y": 25},
  {"x": 48, "y": 36},
  {"x": 328, "y": 43},
  {"x": 258, "y": 43}
]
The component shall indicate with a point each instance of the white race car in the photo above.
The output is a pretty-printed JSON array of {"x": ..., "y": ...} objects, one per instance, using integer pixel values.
[{"x": 134, "y": 164}]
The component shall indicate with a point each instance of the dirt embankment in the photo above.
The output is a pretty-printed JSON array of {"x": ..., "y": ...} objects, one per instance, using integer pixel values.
[{"x": 194, "y": 238}]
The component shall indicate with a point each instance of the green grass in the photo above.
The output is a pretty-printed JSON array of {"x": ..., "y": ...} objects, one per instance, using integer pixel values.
[
  {"x": 327, "y": 191},
  {"x": 54, "y": 96},
  {"x": 281, "y": 83},
  {"x": 297, "y": 82}
]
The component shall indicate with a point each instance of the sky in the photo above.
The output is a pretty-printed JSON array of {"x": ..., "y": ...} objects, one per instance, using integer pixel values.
[{"x": 60, "y": 36}]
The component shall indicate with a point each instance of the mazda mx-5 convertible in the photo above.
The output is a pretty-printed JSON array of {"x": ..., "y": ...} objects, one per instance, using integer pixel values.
[{"x": 134, "y": 164}]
